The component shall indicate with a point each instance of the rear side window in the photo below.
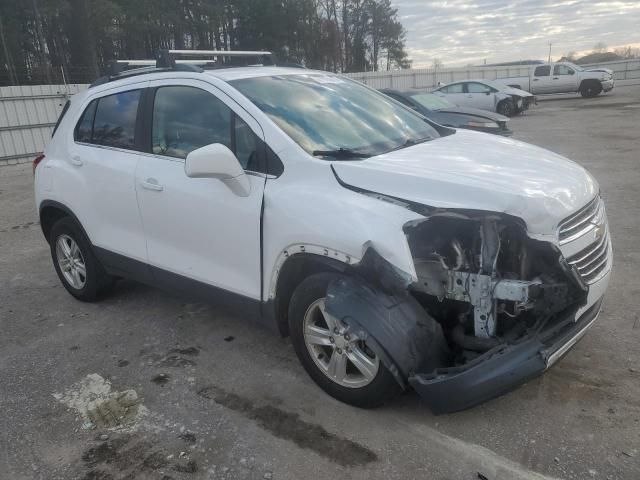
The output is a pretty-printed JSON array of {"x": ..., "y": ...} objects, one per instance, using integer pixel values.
[
  {"x": 115, "y": 120},
  {"x": 456, "y": 88},
  {"x": 85, "y": 125},
  {"x": 542, "y": 71},
  {"x": 187, "y": 118}
]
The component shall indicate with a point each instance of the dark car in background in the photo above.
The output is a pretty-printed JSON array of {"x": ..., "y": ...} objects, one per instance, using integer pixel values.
[{"x": 442, "y": 111}]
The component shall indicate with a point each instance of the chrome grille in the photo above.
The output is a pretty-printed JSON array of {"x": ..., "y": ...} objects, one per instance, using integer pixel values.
[
  {"x": 592, "y": 262},
  {"x": 581, "y": 222}
]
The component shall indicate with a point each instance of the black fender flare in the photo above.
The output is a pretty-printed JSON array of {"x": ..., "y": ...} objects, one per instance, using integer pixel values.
[{"x": 376, "y": 305}]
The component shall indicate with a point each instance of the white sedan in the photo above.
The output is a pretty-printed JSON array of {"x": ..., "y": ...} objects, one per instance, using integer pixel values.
[{"x": 487, "y": 95}]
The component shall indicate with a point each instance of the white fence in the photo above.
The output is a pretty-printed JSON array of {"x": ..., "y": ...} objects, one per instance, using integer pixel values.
[
  {"x": 27, "y": 117},
  {"x": 28, "y": 114},
  {"x": 428, "y": 78}
]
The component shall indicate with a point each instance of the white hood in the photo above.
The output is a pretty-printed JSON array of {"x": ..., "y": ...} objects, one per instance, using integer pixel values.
[
  {"x": 516, "y": 91},
  {"x": 477, "y": 171},
  {"x": 605, "y": 70}
]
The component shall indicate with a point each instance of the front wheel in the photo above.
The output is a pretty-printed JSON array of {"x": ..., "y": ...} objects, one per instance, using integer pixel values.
[
  {"x": 333, "y": 356},
  {"x": 591, "y": 89},
  {"x": 506, "y": 108}
]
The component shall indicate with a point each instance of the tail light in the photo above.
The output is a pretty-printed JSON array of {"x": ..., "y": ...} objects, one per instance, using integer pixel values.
[{"x": 36, "y": 161}]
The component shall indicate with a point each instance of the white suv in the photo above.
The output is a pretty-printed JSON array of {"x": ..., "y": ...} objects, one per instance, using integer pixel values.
[{"x": 395, "y": 252}]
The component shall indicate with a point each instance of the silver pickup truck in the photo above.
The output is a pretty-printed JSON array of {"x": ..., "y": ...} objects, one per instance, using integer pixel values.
[{"x": 563, "y": 77}]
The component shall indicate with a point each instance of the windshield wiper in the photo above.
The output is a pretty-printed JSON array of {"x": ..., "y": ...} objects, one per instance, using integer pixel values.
[
  {"x": 409, "y": 142},
  {"x": 340, "y": 154}
]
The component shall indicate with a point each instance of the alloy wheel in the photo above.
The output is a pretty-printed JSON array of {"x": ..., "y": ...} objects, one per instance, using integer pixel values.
[
  {"x": 340, "y": 354},
  {"x": 71, "y": 262}
]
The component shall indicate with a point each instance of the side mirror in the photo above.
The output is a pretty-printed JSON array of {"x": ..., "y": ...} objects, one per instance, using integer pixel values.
[
  {"x": 217, "y": 161},
  {"x": 488, "y": 92},
  {"x": 571, "y": 72}
]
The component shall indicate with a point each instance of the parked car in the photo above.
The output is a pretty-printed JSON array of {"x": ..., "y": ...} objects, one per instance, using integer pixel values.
[
  {"x": 563, "y": 77},
  {"x": 394, "y": 252},
  {"x": 487, "y": 95},
  {"x": 442, "y": 111}
]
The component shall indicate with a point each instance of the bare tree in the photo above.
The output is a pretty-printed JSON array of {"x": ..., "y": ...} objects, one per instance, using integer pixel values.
[{"x": 83, "y": 36}]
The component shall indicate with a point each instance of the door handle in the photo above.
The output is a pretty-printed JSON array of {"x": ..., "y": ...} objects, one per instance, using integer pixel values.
[
  {"x": 556, "y": 78},
  {"x": 76, "y": 160},
  {"x": 535, "y": 79},
  {"x": 152, "y": 184}
]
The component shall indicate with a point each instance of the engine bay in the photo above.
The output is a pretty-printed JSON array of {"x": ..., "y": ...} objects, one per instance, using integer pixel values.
[{"x": 486, "y": 282}]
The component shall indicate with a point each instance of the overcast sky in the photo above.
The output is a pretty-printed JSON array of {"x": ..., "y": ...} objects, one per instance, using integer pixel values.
[{"x": 467, "y": 32}]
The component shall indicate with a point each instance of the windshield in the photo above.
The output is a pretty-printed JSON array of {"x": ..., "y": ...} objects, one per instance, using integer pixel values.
[
  {"x": 431, "y": 101},
  {"x": 334, "y": 117}
]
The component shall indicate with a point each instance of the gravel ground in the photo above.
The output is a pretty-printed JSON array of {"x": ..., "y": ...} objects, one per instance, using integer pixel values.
[{"x": 145, "y": 385}]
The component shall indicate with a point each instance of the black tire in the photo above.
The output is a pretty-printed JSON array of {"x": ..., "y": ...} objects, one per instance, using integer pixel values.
[
  {"x": 376, "y": 393},
  {"x": 590, "y": 89},
  {"x": 97, "y": 281},
  {"x": 506, "y": 108}
]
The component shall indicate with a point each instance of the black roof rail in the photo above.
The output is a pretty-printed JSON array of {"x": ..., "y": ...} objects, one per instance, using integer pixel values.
[{"x": 166, "y": 61}]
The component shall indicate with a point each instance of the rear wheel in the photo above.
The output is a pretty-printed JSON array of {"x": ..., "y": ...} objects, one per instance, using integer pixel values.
[
  {"x": 334, "y": 357},
  {"x": 506, "y": 108},
  {"x": 590, "y": 89},
  {"x": 78, "y": 269}
]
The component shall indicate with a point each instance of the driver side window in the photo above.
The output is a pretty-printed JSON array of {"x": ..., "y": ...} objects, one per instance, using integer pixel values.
[
  {"x": 187, "y": 118},
  {"x": 562, "y": 70}
]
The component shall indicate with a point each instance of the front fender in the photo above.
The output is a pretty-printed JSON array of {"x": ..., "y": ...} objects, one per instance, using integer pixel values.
[{"x": 326, "y": 219}]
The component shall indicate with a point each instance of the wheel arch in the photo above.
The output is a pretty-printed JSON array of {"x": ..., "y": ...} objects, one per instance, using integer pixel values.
[
  {"x": 586, "y": 81},
  {"x": 294, "y": 268},
  {"x": 589, "y": 81},
  {"x": 51, "y": 211}
]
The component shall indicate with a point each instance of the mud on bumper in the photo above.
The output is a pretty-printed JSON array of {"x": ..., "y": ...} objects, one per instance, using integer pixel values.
[{"x": 503, "y": 368}]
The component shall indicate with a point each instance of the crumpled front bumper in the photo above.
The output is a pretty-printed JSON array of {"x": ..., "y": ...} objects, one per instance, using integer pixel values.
[
  {"x": 503, "y": 368},
  {"x": 608, "y": 85},
  {"x": 375, "y": 304}
]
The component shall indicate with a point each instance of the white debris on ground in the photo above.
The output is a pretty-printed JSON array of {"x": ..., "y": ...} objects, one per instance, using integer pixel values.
[{"x": 100, "y": 407}]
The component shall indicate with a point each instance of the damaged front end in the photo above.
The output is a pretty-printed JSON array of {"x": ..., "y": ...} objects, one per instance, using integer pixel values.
[{"x": 490, "y": 308}]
